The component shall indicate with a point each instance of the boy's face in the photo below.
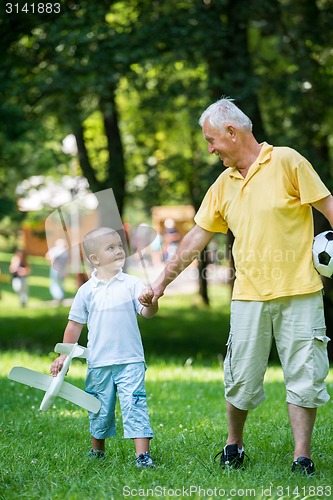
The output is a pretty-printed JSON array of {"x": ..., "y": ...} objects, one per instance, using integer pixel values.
[{"x": 110, "y": 253}]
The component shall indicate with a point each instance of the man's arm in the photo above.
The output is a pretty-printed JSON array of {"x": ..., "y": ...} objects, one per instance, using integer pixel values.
[
  {"x": 325, "y": 206},
  {"x": 189, "y": 249}
]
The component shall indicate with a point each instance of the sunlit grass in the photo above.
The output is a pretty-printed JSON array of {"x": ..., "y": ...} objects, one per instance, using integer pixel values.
[{"x": 44, "y": 454}]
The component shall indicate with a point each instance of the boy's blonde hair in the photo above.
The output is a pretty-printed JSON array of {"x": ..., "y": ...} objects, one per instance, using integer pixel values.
[{"x": 92, "y": 240}]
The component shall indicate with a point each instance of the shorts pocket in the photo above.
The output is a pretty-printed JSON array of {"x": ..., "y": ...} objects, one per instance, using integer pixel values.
[
  {"x": 228, "y": 359},
  {"x": 138, "y": 396},
  {"x": 320, "y": 356},
  {"x": 139, "y": 412}
]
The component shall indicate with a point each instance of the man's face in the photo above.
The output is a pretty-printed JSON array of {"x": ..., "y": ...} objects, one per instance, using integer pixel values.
[
  {"x": 110, "y": 252},
  {"x": 220, "y": 143}
]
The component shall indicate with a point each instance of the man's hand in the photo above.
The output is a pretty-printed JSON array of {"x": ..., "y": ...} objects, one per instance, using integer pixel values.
[
  {"x": 57, "y": 365},
  {"x": 151, "y": 294}
]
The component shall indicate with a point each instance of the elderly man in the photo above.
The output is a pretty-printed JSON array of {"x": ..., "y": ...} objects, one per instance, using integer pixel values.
[{"x": 265, "y": 197}]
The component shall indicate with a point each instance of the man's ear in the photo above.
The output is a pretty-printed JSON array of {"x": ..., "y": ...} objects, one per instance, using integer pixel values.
[
  {"x": 231, "y": 130},
  {"x": 93, "y": 259}
]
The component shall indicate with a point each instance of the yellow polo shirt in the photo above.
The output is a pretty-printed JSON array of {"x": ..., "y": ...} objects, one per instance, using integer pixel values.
[{"x": 270, "y": 216}]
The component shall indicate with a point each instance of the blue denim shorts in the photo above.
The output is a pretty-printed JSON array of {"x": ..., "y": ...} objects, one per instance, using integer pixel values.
[{"x": 129, "y": 381}]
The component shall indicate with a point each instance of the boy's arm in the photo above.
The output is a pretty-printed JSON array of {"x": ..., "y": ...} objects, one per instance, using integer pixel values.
[
  {"x": 149, "y": 309},
  {"x": 71, "y": 336},
  {"x": 149, "y": 312}
]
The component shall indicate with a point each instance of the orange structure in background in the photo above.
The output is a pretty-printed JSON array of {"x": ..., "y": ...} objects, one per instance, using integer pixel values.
[
  {"x": 34, "y": 240},
  {"x": 35, "y": 243},
  {"x": 182, "y": 215}
]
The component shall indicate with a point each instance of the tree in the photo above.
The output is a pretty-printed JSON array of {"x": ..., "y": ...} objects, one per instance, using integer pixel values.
[
  {"x": 130, "y": 79},
  {"x": 68, "y": 78}
]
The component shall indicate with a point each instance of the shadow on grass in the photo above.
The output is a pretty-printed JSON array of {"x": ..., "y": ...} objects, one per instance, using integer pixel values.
[
  {"x": 199, "y": 334},
  {"x": 34, "y": 329},
  {"x": 181, "y": 334}
]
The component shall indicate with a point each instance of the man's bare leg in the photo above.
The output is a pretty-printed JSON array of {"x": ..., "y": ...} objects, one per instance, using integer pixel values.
[
  {"x": 236, "y": 422},
  {"x": 302, "y": 422}
]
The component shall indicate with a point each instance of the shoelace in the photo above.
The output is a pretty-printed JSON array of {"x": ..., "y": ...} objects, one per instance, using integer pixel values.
[{"x": 233, "y": 458}]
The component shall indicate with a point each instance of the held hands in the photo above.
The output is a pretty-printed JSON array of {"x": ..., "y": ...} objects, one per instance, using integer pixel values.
[
  {"x": 151, "y": 294},
  {"x": 23, "y": 271},
  {"x": 57, "y": 365},
  {"x": 146, "y": 297}
]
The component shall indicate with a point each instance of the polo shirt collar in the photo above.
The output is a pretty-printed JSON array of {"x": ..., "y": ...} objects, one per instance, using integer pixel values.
[
  {"x": 96, "y": 281},
  {"x": 265, "y": 153},
  {"x": 263, "y": 157}
]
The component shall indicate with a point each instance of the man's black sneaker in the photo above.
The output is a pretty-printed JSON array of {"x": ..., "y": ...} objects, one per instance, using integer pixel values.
[
  {"x": 303, "y": 465},
  {"x": 230, "y": 457}
]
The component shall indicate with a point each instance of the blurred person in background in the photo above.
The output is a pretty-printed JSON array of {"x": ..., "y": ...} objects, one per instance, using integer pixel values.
[
  {"x": 20, "y": 270},
  {"x": 58, "y": 256}
]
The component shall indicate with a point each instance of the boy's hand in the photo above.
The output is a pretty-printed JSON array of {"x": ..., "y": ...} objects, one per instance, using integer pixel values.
[
  {"x": 146, "y": 297},
  {"x": 57, "y": 365}
]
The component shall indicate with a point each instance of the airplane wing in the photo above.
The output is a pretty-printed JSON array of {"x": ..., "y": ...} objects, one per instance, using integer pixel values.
[
  {"x": 67, "y": 391},
  {"x": 30, "y": 377},
  {"x": 79, "y": 350},
  {"x": 79, "y": 397}
]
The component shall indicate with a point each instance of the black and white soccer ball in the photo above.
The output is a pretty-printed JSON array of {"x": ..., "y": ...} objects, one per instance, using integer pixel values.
[{"x": 322, "y": 253}]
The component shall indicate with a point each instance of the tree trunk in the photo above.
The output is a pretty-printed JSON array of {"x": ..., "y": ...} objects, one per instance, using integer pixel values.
[
  {"x": 203, "y": 283},
  {"x": 116, "y": 163},
  {"x": 83, "y": 157}
]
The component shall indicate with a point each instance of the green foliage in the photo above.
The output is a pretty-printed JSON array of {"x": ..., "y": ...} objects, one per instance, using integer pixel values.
[
  {"x": 298, "y": 80},
  {"x": 130, "y": 79}
]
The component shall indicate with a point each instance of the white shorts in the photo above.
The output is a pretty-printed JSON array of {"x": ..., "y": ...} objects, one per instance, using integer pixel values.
[{"x": 298, "y": 327}]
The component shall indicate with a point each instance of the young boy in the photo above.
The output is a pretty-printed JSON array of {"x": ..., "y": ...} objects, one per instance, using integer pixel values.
[{"x": 108, "y": 303}]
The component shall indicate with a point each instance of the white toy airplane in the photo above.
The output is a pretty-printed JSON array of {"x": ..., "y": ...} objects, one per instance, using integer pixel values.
[{"x": 56, "y": 386}]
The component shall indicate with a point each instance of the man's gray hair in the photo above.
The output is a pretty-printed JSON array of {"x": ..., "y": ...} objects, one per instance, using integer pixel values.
[{"x": 224, "y": 112}]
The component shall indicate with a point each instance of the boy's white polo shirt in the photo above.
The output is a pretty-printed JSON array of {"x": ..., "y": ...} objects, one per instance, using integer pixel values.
[{"x": 109, "y": 309}]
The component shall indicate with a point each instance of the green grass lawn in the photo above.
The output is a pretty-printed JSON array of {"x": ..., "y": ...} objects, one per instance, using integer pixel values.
[{"x": 44, "y": 455}]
